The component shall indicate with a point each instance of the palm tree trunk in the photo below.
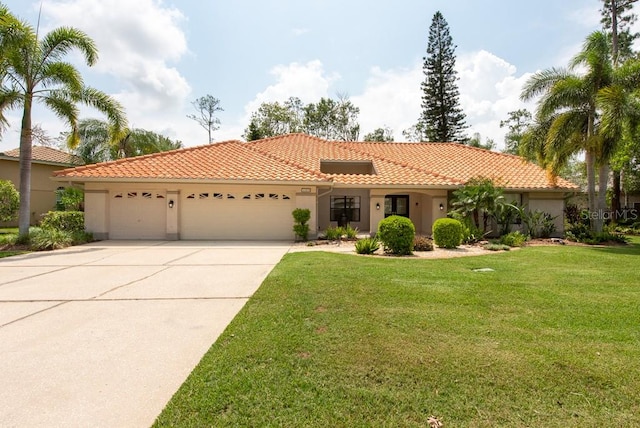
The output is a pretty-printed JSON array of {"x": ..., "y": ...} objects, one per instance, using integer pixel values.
[
  {"x": 24, "y": 215},
  {"x": 591, "y": 186},
  {"x": 603, "y": 180}
]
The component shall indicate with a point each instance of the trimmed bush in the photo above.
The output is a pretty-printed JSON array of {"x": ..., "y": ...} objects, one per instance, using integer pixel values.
[
  {"x": 367, "y": 246},
  {"x": 397, "y": 234},
  {"x": 447, "y": 233},
  {"x": 513, "y": 239},
  {"x": 301, "y": 216},
  {"x": 422, "y": 243},
  {"x": 70, "y": 221}
]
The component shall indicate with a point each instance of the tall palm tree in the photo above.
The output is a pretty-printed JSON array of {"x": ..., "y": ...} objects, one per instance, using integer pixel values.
[
  {"x": 36, "y": 72},
  {"x": 569, "y": 109}
]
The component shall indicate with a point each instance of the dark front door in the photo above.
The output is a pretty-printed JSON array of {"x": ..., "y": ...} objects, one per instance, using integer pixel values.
[{"x": 396, "y": 205}]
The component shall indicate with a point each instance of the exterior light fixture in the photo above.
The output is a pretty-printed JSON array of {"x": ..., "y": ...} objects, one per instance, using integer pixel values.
[
  {"x": 170, "y": 203},
  {"x": 377, "y": 205},
  {"x": 441, "y": 207}
]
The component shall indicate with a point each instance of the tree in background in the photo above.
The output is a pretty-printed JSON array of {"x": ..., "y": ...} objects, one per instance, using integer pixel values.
[
  {"x": 34, "y": 71},
  {"x": 207, "y": 107},
  {"x": 516, "y": 124},
  {"x": 380, "y": 134},
  {"x": 476, "y": 141},
  {"x": 328, "y": 118},
  {"x": 442, "y": 118},
  {"x": 274, "y": 119},
  {"x": 97, "y": 145},
  {"x": 332, "y": 119},
  {"x": 616, "y": 21}
]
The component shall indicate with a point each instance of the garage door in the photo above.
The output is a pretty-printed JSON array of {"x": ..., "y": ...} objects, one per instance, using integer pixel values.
[
  {"x": 228, "y": 215},
  {"x": 137, "y": 214}
]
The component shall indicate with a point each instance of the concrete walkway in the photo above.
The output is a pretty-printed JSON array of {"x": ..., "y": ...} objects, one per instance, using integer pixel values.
[{"x": 103, "y": 335}]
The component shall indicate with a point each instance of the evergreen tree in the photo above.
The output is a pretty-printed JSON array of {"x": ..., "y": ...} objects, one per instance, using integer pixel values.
[{"x": 443, "y": 119}]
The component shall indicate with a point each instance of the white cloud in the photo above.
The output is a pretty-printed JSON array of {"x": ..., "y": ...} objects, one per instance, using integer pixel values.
[
  {"x": 137, "y": 42},
  {"x": 308, "y": 81},
  {"x": 489, "y": 90},
  {"x": 140, "y": 44},
  {"x": 391, "y": 98}
]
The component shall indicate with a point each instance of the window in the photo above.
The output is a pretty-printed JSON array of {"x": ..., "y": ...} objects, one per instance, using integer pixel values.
[
  {"x": 217, "y": 196},
  {"x": 203, "y": 196},
  {"x": 345, "y": 209}
]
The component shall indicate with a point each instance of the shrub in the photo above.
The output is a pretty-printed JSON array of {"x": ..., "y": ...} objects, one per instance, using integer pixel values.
[
  {"x": 397, "y": 234},
  {"x": 9, "y": 201},
  {"x": 496, "y": 247},
  {"x": 70, "y": 199},
  {"x": 513, "y": 239},
  {"x": 49, "y": 239},
  {"x": 578, "y": 232},
  {"x": 367, "y": 246},
  {"x": 350, "y": 232},
  {"x": 83, "y": 237},
  {"x": 447, "y": 232},
  {"x": 422, "y": 243},
  {"x": 333, "y": 233},
  {"x": 70, "y": 221},
  {"x": 300, "y": 217}
]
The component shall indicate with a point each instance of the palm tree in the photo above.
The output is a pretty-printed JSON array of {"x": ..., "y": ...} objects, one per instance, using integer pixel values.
[
  {"x": 567, "y": 117},
  {"x": 36, "y": 72},
  {"x": 96, "y": 144}
]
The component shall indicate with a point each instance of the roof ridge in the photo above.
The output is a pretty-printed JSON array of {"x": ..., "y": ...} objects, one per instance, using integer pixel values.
[
  {"x": 285, "y": 161},
  {"x": 344, "y": 144}
]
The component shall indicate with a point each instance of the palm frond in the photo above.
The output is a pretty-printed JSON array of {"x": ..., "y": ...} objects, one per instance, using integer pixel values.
[
  {"x": 60, "y": 41},
  {"x": 541, "y": 81},
  {"x": 57, "y": 73},
  {"x": 105, "y": 104}
]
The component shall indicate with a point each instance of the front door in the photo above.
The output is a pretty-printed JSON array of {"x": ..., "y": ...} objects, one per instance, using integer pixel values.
[{"x": 396, "y": 205}]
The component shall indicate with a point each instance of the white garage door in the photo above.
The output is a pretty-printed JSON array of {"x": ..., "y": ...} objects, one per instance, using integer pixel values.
[
  {"x": 137, "y": 214},
  {"x": 228, "y": 215}
]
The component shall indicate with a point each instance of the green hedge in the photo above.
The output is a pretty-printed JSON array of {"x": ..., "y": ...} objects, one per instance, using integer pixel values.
[
  {"x": 397, "y": 234},
  {"x": 447, "y": 233}
]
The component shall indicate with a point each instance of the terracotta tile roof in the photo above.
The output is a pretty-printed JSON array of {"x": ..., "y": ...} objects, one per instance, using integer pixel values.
[
  {"x": 462, "y": 163},
  {"x": 47, "y": 155},
  {"x": 298, "y": 157},
  {"x": 231, "y": 160}
]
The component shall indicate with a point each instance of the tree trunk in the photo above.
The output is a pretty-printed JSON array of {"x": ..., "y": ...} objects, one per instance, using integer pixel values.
[
  {"x": 603, "y": 179},
  {"x": 616, "y": 202},
  {"x": 591, "y": 186},
  {"x": 24, "y": 216}
]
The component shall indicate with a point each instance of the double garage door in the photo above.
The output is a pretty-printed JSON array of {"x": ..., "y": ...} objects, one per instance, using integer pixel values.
[
  {"x": 236, "y": 215},
  {"x": 213, "y": 214}
]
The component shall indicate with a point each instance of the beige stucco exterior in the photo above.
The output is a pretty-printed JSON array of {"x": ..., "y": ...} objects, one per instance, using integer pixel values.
[
  {"x": 195, "y": 211},
  {"x": 256, "y": 211},
  {"x": 43, "y": 189}
]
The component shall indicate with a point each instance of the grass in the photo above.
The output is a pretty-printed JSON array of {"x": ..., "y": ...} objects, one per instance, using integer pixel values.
[{"x": 550, "y": 338}]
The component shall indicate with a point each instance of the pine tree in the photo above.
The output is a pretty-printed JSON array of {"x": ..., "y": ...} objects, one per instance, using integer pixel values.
[{"x": 442, "y": 118}]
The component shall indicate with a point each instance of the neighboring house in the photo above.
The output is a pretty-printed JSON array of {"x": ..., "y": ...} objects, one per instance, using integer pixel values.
[
  {"x": 45, "y": 160},
  {"x": 236, "y": 190}
]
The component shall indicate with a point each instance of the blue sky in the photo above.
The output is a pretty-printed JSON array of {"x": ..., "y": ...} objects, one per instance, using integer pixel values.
[{"x": 158, "y": 56}]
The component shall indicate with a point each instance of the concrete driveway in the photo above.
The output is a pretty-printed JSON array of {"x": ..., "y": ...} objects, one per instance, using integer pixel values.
[{"x": 104, "y": 334}]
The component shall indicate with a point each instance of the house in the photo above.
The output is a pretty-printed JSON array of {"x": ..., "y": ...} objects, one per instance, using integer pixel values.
[
  {"x": 237, "y": 190},
  {"x": 45, "y": 160}
]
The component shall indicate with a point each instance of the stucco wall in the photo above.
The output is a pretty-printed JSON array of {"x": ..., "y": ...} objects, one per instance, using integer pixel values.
[
  {"x": 551, "y": 203},
  {"x": 43, "y": 196}
]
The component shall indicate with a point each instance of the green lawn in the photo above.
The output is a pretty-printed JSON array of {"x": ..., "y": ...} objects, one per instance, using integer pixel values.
[{"x": 551, "y": 338}]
